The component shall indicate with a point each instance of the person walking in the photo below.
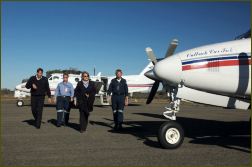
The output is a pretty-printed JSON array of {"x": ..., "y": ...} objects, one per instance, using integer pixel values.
[
  {"x": 119, "y": 89},
  {"x": 39, "y": 87},
  {"x": 64, "y": 94},
  {"x": 85, "y": 95}
]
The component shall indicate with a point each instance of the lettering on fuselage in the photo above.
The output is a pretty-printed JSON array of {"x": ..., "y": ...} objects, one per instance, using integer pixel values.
[{"x": 209, "y": 52}]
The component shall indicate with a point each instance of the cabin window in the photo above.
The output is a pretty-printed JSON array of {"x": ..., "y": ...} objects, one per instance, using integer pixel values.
[{"x": 55, "y": 78}]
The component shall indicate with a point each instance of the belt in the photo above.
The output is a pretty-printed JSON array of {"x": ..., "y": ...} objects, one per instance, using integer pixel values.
[
  {"x": 118, "y": 93},
  {"x": 64, "y": 96}
]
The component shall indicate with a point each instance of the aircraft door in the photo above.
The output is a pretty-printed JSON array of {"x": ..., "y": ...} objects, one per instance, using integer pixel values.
[{"x": 105, "y": 84}]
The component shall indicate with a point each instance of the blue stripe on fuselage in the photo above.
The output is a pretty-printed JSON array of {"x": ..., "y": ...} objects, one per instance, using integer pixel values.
[{"x": 215, "y": 58}]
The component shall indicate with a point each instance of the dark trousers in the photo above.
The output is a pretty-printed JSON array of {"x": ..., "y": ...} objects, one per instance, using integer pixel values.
[
  {"x": 37, "y": 103},
  {"x": 118, "y": 102},
  {"x": 62, "y": 107},
  {"x": 68, "y": 112},
  {"x": 83, "y": 120},
  {"x": 84, "y": 113}
]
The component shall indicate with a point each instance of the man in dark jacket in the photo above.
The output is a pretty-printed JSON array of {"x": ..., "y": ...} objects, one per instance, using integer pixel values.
[
  {"x": 84, "y": 98},
  {"x": 119, "y": 89},
  {"x": 39, "y": 87}
]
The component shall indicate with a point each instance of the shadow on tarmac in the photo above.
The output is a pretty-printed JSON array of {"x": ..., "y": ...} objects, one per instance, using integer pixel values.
[
  {"x": 232, "y": 135},
  {"x": 95, "y": 105},
  {"x": 31, "y": 122},
  {"x": 74, "y": 126}
]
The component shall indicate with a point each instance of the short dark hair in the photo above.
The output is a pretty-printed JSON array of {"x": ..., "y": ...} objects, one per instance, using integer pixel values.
[
  {"x": 65, "y": 74},
  {"x": 40, "y": 69},
  {"x": 118, "y": 70},
  {"x": 85, "y": 72}
]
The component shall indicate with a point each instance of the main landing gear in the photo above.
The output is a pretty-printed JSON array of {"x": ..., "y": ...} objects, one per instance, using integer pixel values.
[
  {"x": 171, "y": 133},
  {"x": 20, "y": 103}
]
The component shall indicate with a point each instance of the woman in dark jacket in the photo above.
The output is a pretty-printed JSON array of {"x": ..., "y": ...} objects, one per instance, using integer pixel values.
[{"x": 85, "y": 96}]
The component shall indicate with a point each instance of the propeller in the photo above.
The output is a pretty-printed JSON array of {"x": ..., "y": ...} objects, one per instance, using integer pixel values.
[
  {"x": 151, "y": 55},
  {"x": 150, "y": 74},
  {"x": 172, "y": 48},
  {"x": 153, "y": 92}
]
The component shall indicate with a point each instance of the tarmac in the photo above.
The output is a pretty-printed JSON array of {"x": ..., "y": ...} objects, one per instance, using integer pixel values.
[{"x": 214, "y": 136}]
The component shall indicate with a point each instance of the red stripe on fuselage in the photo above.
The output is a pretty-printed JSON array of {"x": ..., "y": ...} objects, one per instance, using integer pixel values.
[{"x": 217, "y": 64}]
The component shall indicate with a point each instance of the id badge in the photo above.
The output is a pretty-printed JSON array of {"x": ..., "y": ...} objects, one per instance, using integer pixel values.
[{"x": 66, "y": 89}]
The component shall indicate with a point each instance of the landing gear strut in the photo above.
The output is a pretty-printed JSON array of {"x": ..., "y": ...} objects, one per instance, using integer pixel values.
[{"x": 171, "y": 133}]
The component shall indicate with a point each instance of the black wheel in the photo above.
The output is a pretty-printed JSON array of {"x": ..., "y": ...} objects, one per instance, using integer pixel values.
[
  {"x": 170, "y": 135},
  {"x": 20, "y": 103}
]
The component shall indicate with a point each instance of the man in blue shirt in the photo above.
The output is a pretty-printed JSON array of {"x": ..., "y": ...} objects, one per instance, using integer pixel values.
[{"x": 64, "y": 94}]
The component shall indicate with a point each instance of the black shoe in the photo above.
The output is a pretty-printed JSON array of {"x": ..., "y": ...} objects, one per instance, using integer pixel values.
[
  {"x": 82, "y": 131},
  {"x": 115, "y": 127},
  {"x": 58, "y": 125},
  {"x": 120, "y": 127}
]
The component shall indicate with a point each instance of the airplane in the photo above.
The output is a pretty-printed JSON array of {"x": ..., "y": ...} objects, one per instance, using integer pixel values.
[
  {"x": 136, "y": 83},
  {"x": 216, "y": 74}
]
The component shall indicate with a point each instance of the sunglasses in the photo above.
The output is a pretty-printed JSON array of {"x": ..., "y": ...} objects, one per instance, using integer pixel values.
[{"x": 85, "y": 76}]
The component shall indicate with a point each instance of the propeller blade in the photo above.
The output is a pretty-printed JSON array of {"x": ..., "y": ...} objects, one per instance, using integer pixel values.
[
  {"x": 151, "y": 55},
  {"x": 172, "y": 47},
  {"x": 153, "y": 92}
]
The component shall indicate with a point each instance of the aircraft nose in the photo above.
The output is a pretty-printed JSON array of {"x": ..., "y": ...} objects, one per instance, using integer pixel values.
[
  {"x": 150, "y": 74},
  {"x": 169, "y": 69}
]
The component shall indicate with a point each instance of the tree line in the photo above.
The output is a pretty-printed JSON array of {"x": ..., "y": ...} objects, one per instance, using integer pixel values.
[
  {"x": 69, "y": 71},
  {"x": 5, "y": 91}
]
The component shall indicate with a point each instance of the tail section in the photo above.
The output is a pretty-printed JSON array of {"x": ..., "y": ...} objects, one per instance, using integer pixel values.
[{"x": 99, "y": 74}]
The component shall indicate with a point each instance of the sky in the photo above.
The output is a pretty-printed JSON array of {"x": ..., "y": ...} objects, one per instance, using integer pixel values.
[{"x": 108, "y": 35}]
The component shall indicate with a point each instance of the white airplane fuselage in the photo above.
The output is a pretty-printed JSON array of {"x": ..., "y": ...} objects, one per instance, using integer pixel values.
[
  {"x": 136, "y": 83},
  {"x": 221, "y": 68},
  {"x": 218, "y": 74}
]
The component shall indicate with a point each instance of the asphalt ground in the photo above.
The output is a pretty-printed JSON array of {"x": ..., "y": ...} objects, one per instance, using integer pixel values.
[{"x": 213, "y": 136}]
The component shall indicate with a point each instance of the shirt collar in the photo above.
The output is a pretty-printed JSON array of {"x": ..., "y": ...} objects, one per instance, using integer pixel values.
[
  {"x": 38, "y": 78},
  {"x": 65, "y": 83},
  {"x": 85, "y": 82}
]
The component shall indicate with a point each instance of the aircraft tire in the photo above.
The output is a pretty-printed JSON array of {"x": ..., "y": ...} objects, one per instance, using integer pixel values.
[
  {"x": 170, "y": 135},
  {"x": 20, "y": 103}
]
